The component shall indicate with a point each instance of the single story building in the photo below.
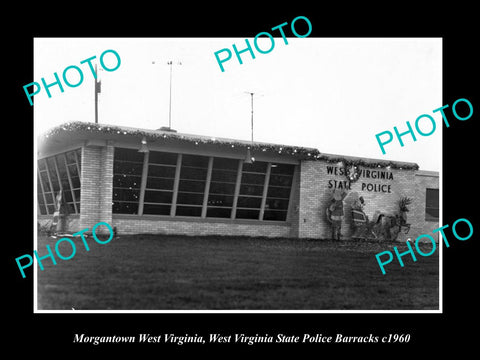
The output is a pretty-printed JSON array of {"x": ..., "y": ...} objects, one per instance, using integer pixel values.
[{"x": 161, "y": 181}]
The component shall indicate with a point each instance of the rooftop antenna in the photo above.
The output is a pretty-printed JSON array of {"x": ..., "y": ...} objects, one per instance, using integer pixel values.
[
  {"x": 171, "y": 63},
  {"x": 251, "y": 97},
  {"x": 249, "y": 159}
]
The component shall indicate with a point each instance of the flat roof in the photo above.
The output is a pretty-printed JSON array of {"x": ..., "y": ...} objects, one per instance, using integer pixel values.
[
  {"x": 66, "y": 133},
  {"x": 87, "y": 130},
  {"x": 428, "y": 173},
  {"x": 369, "y": 161}
]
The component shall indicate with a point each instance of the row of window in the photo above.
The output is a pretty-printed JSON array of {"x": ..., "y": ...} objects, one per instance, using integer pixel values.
[
  {"x": 182, "y": 185},
  {"x": 200, "y": 186},
  {"x": 59, "y": 173}
]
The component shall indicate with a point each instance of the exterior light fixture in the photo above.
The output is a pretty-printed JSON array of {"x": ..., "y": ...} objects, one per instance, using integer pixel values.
[
  {"x": 144, "y": 148},
  {"x": 249, "y": 158}
]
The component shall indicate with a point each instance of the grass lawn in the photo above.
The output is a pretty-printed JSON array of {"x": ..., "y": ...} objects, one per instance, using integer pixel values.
[{"x": 159, "y": 272}]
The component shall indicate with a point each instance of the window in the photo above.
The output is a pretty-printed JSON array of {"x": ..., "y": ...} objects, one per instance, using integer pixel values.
[
  {"x": 160, "y": 181},
  {"x": 222, "y": 187},
  {"x": 278, "y": 195},
  {"x": 191, "y": 187},
  {"x": 127, "y": 178},
  {"x": 68, "y": 183},
  {"x": 59, "y": 173},
  {"x": 432, "y": 205},
  {"x": 251, "y": 190},
  {"x": 73, "y": 169},
  {"x": 198, "y": 186}
]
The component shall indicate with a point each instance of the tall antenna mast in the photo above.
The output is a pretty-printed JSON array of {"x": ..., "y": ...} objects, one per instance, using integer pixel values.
[
  {"x": 249, "y": 158},
  {"x": 251, "y": 123},
  {"x": 251, "y": 95},
  {"x": 171, "y": 63}
]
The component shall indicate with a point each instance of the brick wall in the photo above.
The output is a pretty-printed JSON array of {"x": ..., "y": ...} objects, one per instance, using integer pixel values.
[
  {"x": 71, "y": 223},
  {"x": 316, "y": 194},
  {"x": 96, "y": 206},
  {"x": 312, "y": 221},
  {"x": 423, "y": 180},
  {"x": 139, "y": 225},
  {"x": 311, "y": 193},
  {"x": 106, "y": 178},
  {"x": 97, "y": 186},
  {"x": 294, "y": 206}
]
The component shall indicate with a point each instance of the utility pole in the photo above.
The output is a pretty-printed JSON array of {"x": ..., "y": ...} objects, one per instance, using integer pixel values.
[{"x": 98, "y": 89}]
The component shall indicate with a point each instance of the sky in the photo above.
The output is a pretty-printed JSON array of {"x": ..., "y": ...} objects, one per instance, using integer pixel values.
[{"x": 333, "y": 94}]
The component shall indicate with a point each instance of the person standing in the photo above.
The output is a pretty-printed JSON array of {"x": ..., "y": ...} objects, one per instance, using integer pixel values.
[{"x": 337, "y": 213}]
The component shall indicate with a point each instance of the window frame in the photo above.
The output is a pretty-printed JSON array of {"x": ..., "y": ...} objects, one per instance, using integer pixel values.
[
  {"x": 428, "y": 216},
  {"x": 53, "y": 170},
  {"x": 134, "y": 203},
  {"x": 233, "y": 165}
]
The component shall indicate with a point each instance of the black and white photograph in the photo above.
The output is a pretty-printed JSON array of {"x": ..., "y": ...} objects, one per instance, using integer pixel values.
[
  {"x": 283, "y": 180},
  {"x": 259, "y": 187}
]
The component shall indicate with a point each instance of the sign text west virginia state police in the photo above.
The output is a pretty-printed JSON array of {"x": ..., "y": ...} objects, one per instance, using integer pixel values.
[{"x": 365, "y": 173}]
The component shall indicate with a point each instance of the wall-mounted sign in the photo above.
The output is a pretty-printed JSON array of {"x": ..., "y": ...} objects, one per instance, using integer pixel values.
[{"x": 363, "y": 173}]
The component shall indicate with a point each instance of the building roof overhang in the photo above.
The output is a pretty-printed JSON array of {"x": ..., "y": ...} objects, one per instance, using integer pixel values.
[{"x": 87, "y": 133}]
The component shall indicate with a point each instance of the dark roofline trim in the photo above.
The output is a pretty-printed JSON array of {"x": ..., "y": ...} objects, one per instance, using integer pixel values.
[
  {"x": 299, "y": 152},
  {"x": 296, "y": 151},
  {"x": 348, "y": 162}
]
